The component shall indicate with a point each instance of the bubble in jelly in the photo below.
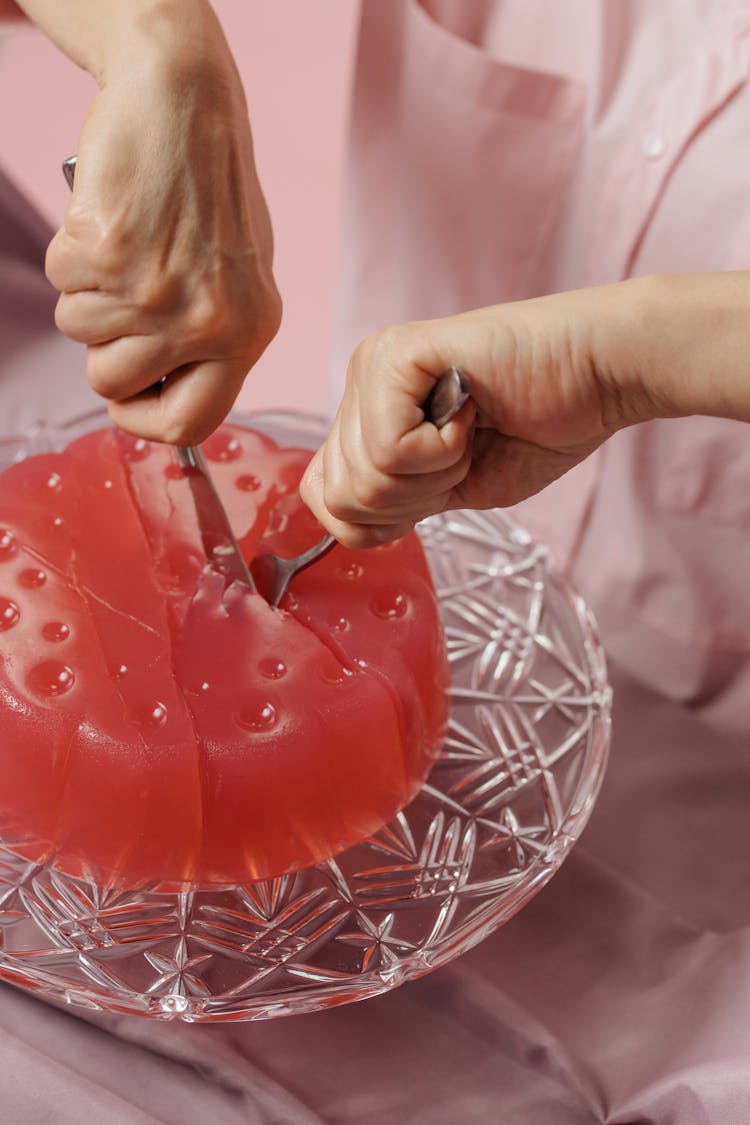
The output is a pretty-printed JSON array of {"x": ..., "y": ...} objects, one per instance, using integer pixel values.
[
  {"x": 8, "y": 545},
  {"x": 352, "y": 570},
  {"x": 57, "y": 522},
  {"x": 224, "y": 449},
  {"x": 9, "y": 614},
  {"x": 51, "y": 678},
  {"x": 137, "y": 450},
  {"x": 259, "y": 716},
  {"x": 108, "y": 484},
  {"x": 32, "y": 578},
  {"x": 340, "y": 625},
  {"x": 248, "y": 482},
  {"x": 272, "y": 668},
  {"x": 120, "y": 671},
  {"x": 151, "y": 716},
  {"x": 389, "y": 604},
  {"x": 55, "y": 631},
  {"x": 54, "y": 481}
]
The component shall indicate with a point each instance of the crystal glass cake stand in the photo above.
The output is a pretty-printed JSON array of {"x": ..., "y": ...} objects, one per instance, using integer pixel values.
[{"x": 502, "y": 807}]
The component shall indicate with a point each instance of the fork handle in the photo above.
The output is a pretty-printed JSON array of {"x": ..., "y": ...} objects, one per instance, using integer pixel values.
[{"x": 447, "y": 397}]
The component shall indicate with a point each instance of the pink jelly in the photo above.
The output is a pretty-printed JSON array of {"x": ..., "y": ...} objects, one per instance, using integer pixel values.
[{"x": 155, "y": 724}]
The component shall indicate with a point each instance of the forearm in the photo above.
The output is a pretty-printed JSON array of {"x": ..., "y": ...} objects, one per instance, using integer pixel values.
[
  {"x": 101, "y": 36},
  {"x": 676, "y": 345}
]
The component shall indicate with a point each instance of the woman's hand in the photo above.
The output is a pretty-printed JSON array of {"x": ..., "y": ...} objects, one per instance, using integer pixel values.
[
  {"x": 551, "y": 379},
  {"x": 164, "y": 260}
]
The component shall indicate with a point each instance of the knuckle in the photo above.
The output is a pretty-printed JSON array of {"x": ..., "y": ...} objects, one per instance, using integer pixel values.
[
  {"x": 338, "y": 505},
  {"x": 372, "y": 491},
  {"x": 231, "y": 322},
  {"x": 384, "y": 344},
  {"x": 272, "y": 314},
  {"x": 208, "y": 319},
  {"x": 107, "y": 251},
  {"x": 156, "y": 291},
  {"x": 53, "y": 266},
  {"x": 182, "y": 427},
  {"x": 250, "y": 335},
  {"x": 383, "y": 454},
  {"x": 103, "y": 378},
  {"x": 62, "y": 316},
  {"x": 179, "y": 432}
]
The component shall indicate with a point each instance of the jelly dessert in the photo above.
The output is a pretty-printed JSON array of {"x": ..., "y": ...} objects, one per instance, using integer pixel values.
[{"x": 157, "y": 724}]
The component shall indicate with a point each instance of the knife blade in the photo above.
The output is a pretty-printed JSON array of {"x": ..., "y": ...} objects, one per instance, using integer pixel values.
[{"x": 219, "y": 542}]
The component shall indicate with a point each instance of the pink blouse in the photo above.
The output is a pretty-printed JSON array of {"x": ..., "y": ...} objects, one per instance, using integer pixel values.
[{"x": 502, "y": 150}]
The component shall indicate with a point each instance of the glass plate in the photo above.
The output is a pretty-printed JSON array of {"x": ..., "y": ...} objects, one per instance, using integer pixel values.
[{"x": 522, "y": 764}]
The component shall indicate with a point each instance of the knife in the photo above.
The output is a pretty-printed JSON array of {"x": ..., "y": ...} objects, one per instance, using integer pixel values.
[{"x": 219, "y": 542}]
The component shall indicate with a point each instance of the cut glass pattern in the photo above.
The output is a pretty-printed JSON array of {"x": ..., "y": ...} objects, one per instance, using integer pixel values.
[{"x": 522, "y": 763}]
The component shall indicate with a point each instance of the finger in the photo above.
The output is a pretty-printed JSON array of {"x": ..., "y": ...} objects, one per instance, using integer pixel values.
[
  {"x": 122, "y": 368},
  {"x": 366, "y": 496},
  {"x": 357, "y": 490},
  {"x": 94, "y": 317},
  {"x": 351, "y": 535},
  {"x": 358, "y": 537},
  {"x": 186, "y": 407},
  {"x": 327, "y": 487},
  {"x": 68, "y": 265},
  {"x": 387, "y": 386},
  {"x": 422, "y": 449}
]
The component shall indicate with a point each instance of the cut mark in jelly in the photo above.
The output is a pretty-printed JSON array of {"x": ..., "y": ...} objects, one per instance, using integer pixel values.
[{"x": 331, "y": 674}]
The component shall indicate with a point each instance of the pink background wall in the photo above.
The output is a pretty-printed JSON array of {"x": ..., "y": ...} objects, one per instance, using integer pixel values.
[{"x": 295, "y": 59}]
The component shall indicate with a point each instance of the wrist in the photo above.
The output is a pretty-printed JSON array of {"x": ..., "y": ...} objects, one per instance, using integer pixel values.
[
  {"x": 115, "y": 39},
  {"x": 169, "y": 38},
  {"x": 686, "y": 339},
  {"x": 624, "y": 342}
]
